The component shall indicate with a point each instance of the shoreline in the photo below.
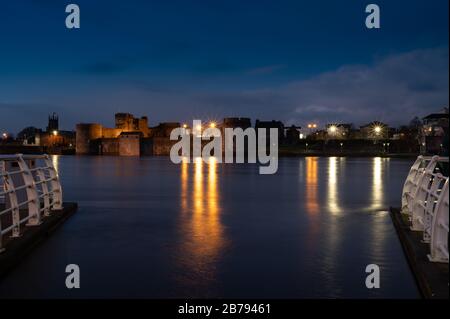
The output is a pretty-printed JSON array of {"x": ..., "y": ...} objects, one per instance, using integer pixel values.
[{"x": 281, "y": 153}]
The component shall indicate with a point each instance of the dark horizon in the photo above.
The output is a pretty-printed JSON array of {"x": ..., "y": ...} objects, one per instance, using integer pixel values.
[{"x": 297, "y": 62}]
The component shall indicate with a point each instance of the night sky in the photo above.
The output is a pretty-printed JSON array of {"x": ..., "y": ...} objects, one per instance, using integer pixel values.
[{"x": 295, "y": 61}]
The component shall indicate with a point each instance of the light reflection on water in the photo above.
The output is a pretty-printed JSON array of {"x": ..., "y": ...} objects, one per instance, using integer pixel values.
[
  {"x": 202, "y": 237},
  {"x": 333, "y": 196},
  {"x": 218, "y": 230}
]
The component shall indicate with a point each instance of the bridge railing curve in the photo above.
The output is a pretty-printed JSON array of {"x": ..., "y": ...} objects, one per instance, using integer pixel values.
[
  {"x": 29, "y": 191},
  {"x": 425, "y": 200}
]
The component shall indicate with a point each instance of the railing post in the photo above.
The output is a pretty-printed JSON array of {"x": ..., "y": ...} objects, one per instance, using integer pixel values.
[
  {"x": 55, "y": 184},
  {"x": 411, "y": 179},
  {"x": 440, "y": 228},
  {"x": 43, "y": 183},
  {"x": 34, "y": 211},
  {"x": 14, "y": 203},
  {"x": 2, "y": 187},
  {"x": 434, "y": 194}
]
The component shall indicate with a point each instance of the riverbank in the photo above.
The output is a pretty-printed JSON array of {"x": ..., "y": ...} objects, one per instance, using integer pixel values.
[
  {"x": 295, "y": 152},
  {"x": 431, "y": 278},
  {"x": 16, "y": 249}
]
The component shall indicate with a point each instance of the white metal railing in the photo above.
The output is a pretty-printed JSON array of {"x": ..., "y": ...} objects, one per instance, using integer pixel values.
[
  {"x": 415, "y": 178},
  {"x": 29, "y": 191},
  {"x": 439, "y": 228},
  {"x": 425, "y": 200}
]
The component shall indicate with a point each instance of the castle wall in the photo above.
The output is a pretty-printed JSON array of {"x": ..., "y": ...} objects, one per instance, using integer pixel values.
[
  {"x": 130, "y": 137},
  {"x": 111, "y": 132},
  {"x": 85, "y": 134},
  {"x": 109, "y": 146},
  {"x": 162, "y": 145},
  {"x": 146, "y": 146},
  {"x": 129, "y": 145}
]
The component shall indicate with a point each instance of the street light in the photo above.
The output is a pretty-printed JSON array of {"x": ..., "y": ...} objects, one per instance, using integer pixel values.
[
  {"x": 5, "y": 135},
  {"x": 378, "y": 129},
  {"x": 212, "y": 125},
  {"x": 333, "y": 128},
  {"x": 55, "y": 133}
]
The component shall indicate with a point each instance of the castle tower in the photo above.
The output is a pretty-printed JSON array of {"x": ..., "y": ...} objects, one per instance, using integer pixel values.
[{"x": 53, "y": 123}]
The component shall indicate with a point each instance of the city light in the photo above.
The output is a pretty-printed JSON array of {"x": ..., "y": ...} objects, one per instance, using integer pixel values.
[
  {"x": 333, "y": 128},
  {"x": 55, "y": 133},
  {"x": 378, "y": 129},
  {"x": 312, "y": 125},
  {"x": 184, "y": 125},
  {"x": 212, "y": 125},
  {"x": 5, "y": 135}
]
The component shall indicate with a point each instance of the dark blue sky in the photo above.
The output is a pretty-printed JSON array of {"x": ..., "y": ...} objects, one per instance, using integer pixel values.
[{"x": 297, "y": 61}]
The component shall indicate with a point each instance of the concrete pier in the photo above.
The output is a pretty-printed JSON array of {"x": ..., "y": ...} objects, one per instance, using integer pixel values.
[
  {"x": 431, "y": 278},
  {"x": 16, "y": 249}
]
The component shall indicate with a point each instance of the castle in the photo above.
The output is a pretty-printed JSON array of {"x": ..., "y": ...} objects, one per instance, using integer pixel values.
[{"x": 130, "y": 137}]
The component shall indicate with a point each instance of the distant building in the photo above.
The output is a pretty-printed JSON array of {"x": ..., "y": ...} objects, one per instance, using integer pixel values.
[
  {"x": 375, "y": 131},
  {"x": 271, "y": 124},
  {"x": 130, "y": 137},
  {"x": 294, "y": 134},
  {"x": 53, "y": 123},
  {"x": 335, "y": 131},
  {"x": 27, "y": 136},
  {"x": 126, "y": 122},
  {"x": 434, "y": 133},
  {"x": 52, "y": 138},
  {"x": 235, "y": 122}
]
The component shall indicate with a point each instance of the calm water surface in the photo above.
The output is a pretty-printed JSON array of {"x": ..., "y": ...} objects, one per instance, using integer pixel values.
[{"x": 149, "y": 228}]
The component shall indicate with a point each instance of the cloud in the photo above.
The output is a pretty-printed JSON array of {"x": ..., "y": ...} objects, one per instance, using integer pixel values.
[{"x": 393, "y": 89}]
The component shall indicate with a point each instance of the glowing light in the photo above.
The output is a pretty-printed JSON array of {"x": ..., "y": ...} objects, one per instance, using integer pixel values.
[
  {"x": 212, "y": 125},
  {"x": 55, "y": 133},
  {"x": 5, "y": 135},
  {"x": 333, "y": 128},
  {"x": 312, "y": 203},
  {"x": 55, "y": 162},
  {"x": 184, "y": 125},
  {"x": 377, "y": 183},
  {"x": 301, "y": 136},
  {"x": 333, "y": 196},
  {"x": 199, "y": 127},
  {"x": 200, "y": 223},
  {"x": 378, "y": 129}
]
